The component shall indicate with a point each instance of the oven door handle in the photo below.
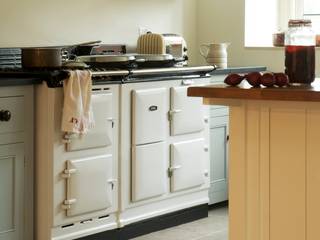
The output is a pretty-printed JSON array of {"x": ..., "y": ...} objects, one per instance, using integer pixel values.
[
  {"x": 172, "y": 169},
  {"x": 175, "y": 168},
  {"x": 112, "y": 182},
  {"x": 68, "y": 172},
  {"x": 172, "y": 112},
  {"x": 68, "y": 203},
  {"x": 67, "y": 137},
  {"x": 112, "y": 120},
  {"x": 175, "y": 111}
]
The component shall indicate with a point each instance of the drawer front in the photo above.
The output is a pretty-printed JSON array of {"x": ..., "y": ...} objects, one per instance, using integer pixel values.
[{"x": 14, "y": 105}]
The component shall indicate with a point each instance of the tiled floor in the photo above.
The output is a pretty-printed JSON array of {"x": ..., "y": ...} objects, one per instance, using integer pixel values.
[{"x": 215, "y": 227}]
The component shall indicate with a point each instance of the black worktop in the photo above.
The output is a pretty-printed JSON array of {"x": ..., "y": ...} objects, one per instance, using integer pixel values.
[
  {"x": 19, "y": 81},
  {"x": 14, "y": 81}
]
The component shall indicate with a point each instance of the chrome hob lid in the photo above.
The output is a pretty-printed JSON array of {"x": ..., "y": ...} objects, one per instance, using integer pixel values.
[
  {"x": 153, "y": 57},
  {"x": 172, "y": 71},
  {"x": 105, "y": 58}
]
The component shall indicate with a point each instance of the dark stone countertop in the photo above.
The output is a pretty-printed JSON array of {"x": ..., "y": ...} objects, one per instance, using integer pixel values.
[
  {"x": 18, "y": 81},
  {"x": 239, "y": 70}
]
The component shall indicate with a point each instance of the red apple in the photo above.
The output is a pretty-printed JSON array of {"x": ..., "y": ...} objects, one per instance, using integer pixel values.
[
  {"x": 233, "y": 79},
  {"x": 254, "y": 79},
  {"x": 282, "y": 79},
  {"x": 268, "y": 80}
]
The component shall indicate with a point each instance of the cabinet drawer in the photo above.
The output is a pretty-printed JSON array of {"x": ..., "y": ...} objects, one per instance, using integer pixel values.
[{"x": 14, "y": 105}]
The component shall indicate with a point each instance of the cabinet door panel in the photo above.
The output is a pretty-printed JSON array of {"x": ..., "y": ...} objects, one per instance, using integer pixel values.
[
  {"x": 148, "y": 171},
  {"x": 186, "y": 112},
  {"x": 187, "y": 167},
  {"x": 11, "y": 192},
  {"x": 218, "y": 191}
]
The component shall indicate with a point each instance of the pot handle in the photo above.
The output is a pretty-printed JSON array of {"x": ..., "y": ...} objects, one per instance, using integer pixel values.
[{"x": 204, "y": 50}]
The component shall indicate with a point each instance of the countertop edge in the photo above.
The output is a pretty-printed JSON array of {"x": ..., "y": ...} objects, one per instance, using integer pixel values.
[{"x": 274, "y": 94}]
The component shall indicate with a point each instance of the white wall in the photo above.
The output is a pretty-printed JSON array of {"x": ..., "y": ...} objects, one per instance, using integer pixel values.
[
  {"x": 59, "y": 22},
  {"x": 223, "y": 21}
]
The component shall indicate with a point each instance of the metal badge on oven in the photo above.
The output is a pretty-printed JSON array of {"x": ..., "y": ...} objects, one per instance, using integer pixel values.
[{"x": 153, "y": 108}]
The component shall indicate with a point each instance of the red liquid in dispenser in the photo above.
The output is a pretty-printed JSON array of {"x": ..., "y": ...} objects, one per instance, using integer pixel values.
[{"x": 300, "y": 64}]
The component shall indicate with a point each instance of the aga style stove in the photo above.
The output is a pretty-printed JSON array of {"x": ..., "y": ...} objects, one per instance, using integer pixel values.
[
  {"x": 146, "y": 157},
  {"x": 105, "y": 68}
]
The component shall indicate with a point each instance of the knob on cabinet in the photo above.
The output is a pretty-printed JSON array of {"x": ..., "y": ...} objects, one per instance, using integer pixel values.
[{"x": 5, "y": 115}]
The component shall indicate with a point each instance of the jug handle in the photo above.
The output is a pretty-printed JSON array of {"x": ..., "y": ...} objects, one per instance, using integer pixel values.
[{"x": 202, "y": 52}]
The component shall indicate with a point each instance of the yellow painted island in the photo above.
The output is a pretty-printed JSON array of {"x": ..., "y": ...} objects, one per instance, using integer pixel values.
[{"x": 274, "y": 168}]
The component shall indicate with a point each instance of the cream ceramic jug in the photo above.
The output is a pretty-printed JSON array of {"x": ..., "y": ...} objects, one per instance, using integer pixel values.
[
  {"x": 217, "y": 50},
  {"x": 215, "y": 54}
]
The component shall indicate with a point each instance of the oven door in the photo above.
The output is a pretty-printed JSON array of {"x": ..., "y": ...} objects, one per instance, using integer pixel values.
[
  {"x": 149, "y": 117},
  {"x": 89, "y": 183},
  {"x": 149, "y": 164},
  {"x": 101, "y": 135},
  {"x": 186, "y": 113},
  {"x": 187, "y": 164}
]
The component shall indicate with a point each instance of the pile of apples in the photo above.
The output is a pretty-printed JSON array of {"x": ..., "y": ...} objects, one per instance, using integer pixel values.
[{"x": 255, "y": 79}]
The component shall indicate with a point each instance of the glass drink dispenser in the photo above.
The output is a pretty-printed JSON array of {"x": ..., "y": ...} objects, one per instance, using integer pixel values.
[{"x": 300, "y": 42}]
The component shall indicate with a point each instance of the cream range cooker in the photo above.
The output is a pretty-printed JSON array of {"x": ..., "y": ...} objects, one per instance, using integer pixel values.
[
  {"x": 164, "y": 157},
  {"x": 147, "y": 155}
]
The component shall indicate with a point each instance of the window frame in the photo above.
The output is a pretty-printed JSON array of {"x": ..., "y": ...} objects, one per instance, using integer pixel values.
[
  {"x": 284, "y": 10},
  {"x": 289, "y": 9}
]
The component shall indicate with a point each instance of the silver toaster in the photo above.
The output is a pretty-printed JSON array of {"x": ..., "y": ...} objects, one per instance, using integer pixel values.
[{"x": 177, "y": 47}]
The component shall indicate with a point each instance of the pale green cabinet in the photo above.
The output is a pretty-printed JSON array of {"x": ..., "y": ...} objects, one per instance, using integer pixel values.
[
  {"x": 16, "y": 163},
  {"x": 11, "y": 194},
  {"x": 219, "y": 136}
]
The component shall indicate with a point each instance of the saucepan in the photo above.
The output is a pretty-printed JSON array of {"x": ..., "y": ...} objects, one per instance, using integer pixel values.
[{"x": 50, "y": 57}]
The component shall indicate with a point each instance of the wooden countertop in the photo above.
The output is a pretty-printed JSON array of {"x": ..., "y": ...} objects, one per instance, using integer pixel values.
[{"x": 245, "y": 91}]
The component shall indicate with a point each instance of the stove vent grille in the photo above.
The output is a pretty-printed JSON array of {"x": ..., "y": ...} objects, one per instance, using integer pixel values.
[{"x": 10, "y": 57}]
